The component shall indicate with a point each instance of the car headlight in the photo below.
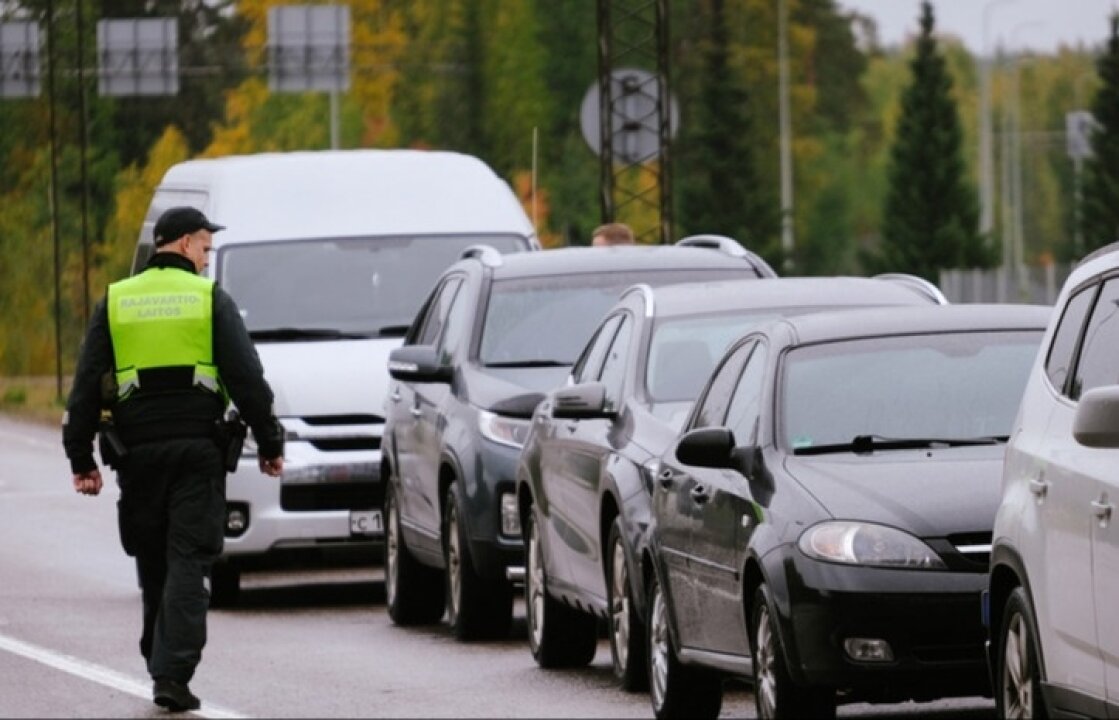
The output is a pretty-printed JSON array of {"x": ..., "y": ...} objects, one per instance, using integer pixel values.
[
  {"x": 502, "y": 429},
  {"x": 858, "y": 543}
]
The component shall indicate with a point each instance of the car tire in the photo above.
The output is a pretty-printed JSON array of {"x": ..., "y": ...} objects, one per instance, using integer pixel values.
[
  {"x": 776, "y": 695},
  {"x": 225, "y": 584},
  {"x": 627, "y": 632},
  {"x": 1018, "y": 673},
  {"x": 477, "y": 608},
  {"x": 558, "y": 636},
  {"x": 413, "y": 591},
  {"x": 676, "y": 690}
]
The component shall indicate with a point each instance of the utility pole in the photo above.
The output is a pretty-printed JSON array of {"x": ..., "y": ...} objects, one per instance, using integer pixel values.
[
  {"x": 785, "y": 119},
  {"x": 633, "y": 35}
]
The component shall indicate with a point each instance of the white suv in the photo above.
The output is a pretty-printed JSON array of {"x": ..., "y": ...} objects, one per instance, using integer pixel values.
[{"x": 1054, "y": 584}]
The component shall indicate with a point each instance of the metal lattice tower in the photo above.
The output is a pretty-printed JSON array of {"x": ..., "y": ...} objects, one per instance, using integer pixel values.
[{"x": 635, "y": 186}]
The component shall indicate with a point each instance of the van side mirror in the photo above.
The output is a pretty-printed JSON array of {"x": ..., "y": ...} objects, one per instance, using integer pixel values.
[
  {"x": 1096, "y": 423},
  {"x": 583, "y": 401},
  {"x": 419, "y": 363}
]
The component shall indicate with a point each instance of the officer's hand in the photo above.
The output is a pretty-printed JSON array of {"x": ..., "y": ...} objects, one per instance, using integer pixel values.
[
  {"x": 88, "y": 483},
  {"x": 272, "y": 466}
]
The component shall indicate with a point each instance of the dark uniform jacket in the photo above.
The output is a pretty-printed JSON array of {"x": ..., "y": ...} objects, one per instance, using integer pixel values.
[{"x": 169, "y": 413}]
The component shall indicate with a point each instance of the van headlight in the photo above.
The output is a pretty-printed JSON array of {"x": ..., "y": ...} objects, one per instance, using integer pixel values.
[
  {"x": 503, "y": 429},
  {"x": 859, "y": 543}
]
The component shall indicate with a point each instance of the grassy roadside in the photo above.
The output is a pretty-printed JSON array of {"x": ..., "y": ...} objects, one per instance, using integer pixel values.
[{"x": 33, "y": 398}]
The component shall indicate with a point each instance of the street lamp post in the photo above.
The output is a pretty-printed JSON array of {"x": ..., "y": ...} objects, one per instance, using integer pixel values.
[{"x": 986, "y": 154}]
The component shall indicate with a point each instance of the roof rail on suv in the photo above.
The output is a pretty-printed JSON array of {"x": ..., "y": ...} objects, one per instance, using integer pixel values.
[
  {"x": 488, "y": 254},
  {"x": 731, "y": 247},
  {"x": 917, "y": 283}
]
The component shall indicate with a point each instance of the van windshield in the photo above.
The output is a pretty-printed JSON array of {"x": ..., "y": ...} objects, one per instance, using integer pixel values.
[{"x": 340, "y": 287}]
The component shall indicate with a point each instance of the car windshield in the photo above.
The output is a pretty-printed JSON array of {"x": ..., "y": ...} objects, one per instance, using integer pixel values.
[
  {"x": 364, "y": 286},
  {"x": 547, "y": 320},
  {"x": 904, "y": 392},
  {"x": 683, "y": 352}
]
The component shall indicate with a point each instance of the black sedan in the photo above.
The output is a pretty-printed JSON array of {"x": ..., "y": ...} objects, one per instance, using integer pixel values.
[
  {"x": 824, "y": 521},
  {"x": 583, "y": 483}
]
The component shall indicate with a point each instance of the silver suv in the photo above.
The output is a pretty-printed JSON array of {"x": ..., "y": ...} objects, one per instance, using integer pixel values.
[{"x": 1054, "y": 582}]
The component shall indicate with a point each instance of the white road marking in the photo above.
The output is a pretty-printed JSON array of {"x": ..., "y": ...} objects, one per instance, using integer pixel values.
[{"x": 101, "y": 675}]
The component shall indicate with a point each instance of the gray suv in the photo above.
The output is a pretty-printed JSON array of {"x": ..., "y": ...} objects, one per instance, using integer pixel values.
[{"x": 494, "y": 334}]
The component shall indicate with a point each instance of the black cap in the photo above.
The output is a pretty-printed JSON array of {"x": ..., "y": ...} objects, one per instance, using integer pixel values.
[{"x": 178, "y": 221}]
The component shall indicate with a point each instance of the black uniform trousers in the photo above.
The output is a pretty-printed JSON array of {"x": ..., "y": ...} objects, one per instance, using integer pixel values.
[{"x": 172, "y": 515}]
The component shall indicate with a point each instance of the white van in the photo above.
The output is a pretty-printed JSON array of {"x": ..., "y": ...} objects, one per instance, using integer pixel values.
[{"x": 329, "y": 255}]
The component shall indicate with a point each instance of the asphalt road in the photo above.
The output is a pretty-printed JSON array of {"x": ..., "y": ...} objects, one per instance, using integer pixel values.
[{"x": 300, "y": 644}]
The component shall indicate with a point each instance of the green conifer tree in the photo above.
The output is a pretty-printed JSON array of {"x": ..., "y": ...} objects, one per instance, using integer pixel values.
[
  {"x": 1099, "y": 217},
  {"x": 930, "y": 214}
]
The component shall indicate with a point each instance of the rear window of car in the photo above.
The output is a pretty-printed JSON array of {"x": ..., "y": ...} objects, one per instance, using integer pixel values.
[
  {"x": 548, "y": 320},
  {"x": 943, "y": 385}
]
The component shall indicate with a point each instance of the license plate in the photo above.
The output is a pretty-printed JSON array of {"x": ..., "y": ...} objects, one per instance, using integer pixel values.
[{"x": 366, "y": 522}]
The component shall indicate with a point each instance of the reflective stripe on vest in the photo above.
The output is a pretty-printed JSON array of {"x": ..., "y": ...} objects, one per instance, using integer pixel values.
[{"x": 162, "y": 318}]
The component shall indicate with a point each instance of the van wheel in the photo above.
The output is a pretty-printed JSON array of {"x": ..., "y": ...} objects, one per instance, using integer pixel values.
[
  {"x": 677, "y": 690},
  {"x": 775, "y": 693},
  {"x": 225, "y": 584},
  {"x": 477, "y": 608},
  {"x": 558, "y": 636},
  {"x": 1018, "y": 677},
  {"x": 413, "y": 591},
  {"x": 627, "y": 632}
]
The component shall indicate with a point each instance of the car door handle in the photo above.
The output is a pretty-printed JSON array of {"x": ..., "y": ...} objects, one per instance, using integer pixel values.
[
  {"x": 666, "y": 478},
  {"x": 416, "y": 412},
  {"x": 395, "y": 397},
  {"x": 1039, "y": 487},
  {"x": 699, "y": 494},
  {"x": 1101, "y": 509}
]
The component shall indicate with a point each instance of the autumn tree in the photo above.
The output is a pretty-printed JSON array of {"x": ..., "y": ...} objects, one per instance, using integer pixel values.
[
  {"x": 1099, "y": 217},
  {"x": 930, "y": 214}
]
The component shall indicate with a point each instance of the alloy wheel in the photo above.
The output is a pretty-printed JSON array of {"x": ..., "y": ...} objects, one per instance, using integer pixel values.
[
  {"x": 534, "y": 605},
  {"x": 658, "y": 649},
  {"x": 619, "y": 605},
  {"x": 454, "y": 562},
  {"x": 1017, "y": 683},
  {"x": 765, "y": 680},
  {"x": 392, "y": 550}
]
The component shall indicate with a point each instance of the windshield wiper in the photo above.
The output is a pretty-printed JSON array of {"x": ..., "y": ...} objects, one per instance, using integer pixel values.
[
  {"x": 870, "y": 443},
  {"x": 527, "y": 364},
  {"x": 294, "y": 333}
]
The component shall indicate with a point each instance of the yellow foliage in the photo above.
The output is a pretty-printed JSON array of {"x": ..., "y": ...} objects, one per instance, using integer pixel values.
[{"x": 134, "y": 191}]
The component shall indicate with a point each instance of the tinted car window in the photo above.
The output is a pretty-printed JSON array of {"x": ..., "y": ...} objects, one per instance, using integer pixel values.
[
  {"x": 1099, "y": 355},
  {"x": 946, "y": 385},
  {"x": 437, "y": 313},
  {"x": 683, "y": 352},
  {"x": 591, "y": 362},
  {"x": 569, "y": 306},
  {"x": 713, "y": 406},
  {"x": 456, "y": 324},
  {"x": 350, "y": 284},
  {"x": 613, "y": 370},
  {"x": 745, "y": 405},
  {"x": 1059, "y": 362}
]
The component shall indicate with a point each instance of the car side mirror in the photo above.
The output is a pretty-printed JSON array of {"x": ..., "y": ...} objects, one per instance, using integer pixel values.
[
  {"x": 518, "y": 406},
  {"x": 709, "y": 447},
  {"x": 582, "y": 401},
  {"x": 419, "y": 363},
  {"x": 1096, "y": 423}
]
